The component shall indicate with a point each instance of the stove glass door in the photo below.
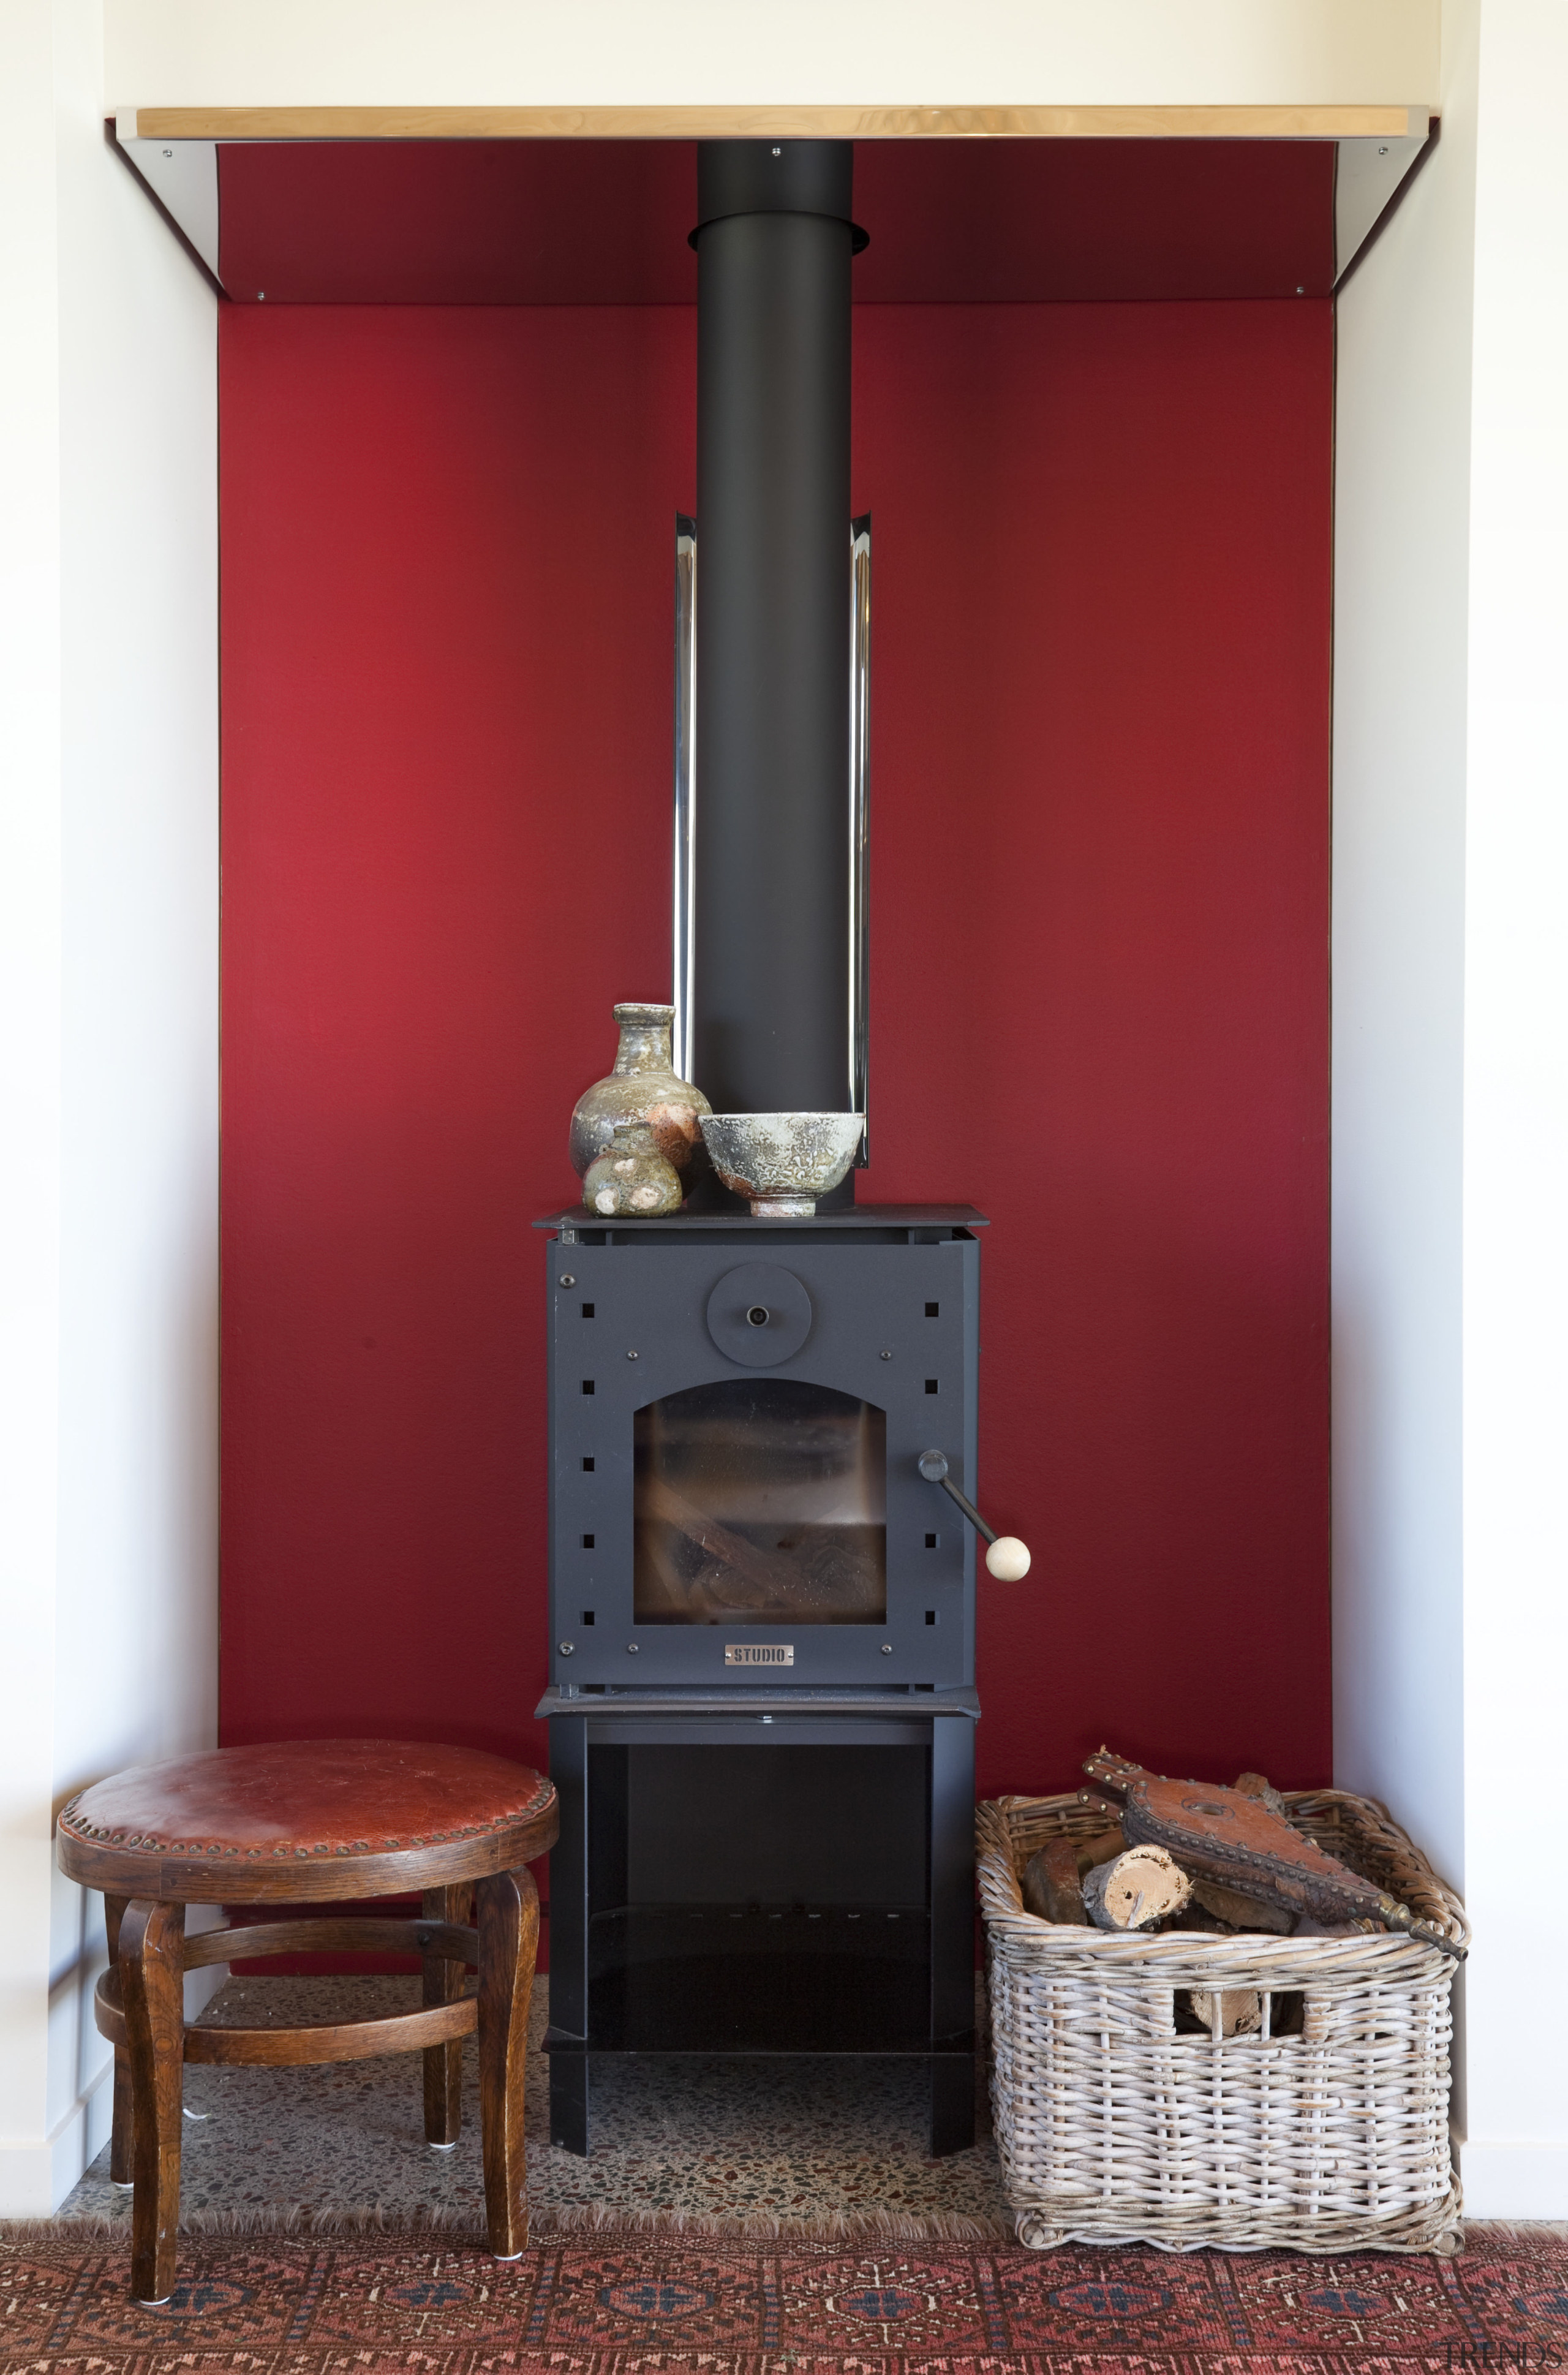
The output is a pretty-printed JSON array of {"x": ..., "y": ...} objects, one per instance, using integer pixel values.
[{"x": 760, "y": 1501}]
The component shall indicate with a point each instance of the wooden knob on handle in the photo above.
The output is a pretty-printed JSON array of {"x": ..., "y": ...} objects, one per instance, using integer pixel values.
[{"x": 1008, "y": 1559}]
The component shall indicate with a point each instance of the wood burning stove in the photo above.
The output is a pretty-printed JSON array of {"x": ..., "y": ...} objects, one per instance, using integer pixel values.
[
  {"x": 737, "y": 1432},
  {"x": 761, "y": 1705}
]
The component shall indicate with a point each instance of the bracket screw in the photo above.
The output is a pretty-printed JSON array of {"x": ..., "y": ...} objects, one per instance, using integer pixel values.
[
  {"x": 565, "y": 1648},
  {"x": 567, "y": 1278},
  {"x": 887, "y": 1649}
]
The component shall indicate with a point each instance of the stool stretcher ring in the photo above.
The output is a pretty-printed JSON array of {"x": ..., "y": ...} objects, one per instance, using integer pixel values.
[{"x": 264, "y": 2045}]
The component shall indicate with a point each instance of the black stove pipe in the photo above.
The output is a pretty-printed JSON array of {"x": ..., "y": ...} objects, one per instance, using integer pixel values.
[{"x": 771, "y": 971}]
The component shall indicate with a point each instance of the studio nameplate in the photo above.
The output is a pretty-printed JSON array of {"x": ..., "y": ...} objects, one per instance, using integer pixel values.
[{"x": 759, "y": 1653}]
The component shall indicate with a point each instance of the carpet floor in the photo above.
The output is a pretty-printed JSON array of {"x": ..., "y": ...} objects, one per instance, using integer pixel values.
[
  {"x": 823, "y": 2147},
  {"x": 637, "y": 2304}
]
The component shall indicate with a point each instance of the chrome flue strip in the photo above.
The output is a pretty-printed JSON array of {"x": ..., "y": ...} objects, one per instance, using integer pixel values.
[
  {"x": 860, "y": 822},
  {"x": 683, "y": 934}
]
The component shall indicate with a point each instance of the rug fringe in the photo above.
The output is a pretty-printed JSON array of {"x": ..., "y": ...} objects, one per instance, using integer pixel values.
[
  {"x": 546, "y": 2224},
  {"x": 291, "y": 2219},
  {"x": 590, "y": 2218},
  {"x": 766, "y": 2225}
]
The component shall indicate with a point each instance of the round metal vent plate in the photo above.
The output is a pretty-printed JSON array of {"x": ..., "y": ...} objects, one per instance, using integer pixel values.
[{"x": 758, "y": 1315}]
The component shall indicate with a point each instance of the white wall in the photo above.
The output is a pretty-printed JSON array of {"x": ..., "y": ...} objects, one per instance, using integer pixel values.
[
  {"x": 30, "y": 1077},
  {"x": 717, "y": 53},
  {"x": 108, "y": 1041},
  {"x": 1400, "y": 641},
  {"x": 1516, "y": 1124},
  {"x": 1451, "y": 1055}
]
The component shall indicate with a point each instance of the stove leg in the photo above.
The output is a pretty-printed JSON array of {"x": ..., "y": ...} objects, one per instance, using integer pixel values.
[
  {"x": 952, "y": 2103},
  {"x": 568, "y": 2102},
  {"x": 952, "y": 1932}
]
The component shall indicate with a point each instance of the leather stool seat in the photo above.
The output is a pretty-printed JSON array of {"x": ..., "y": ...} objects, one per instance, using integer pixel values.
[
  {"x": 298, "y": 1799},
  {"x": 308, "y": 1822}
]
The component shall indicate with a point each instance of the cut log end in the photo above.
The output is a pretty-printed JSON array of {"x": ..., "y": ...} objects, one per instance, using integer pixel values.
[{"x": 1137, "y": 1890}]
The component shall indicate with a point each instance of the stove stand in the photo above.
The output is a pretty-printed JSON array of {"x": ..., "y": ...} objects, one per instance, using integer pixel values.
[{"x": 790, "y": 1876}]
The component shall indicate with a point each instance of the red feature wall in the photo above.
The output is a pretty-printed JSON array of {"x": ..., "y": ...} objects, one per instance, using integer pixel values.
[{"x": 1100, "y": 678}]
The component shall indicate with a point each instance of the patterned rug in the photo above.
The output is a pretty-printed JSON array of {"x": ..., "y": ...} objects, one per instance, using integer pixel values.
[{"x": 632, "y": 2304}]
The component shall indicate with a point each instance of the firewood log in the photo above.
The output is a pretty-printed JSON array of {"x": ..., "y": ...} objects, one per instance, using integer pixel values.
[
  {"x": 1241, "y": 2009},
  {"x": 1196, "y": 1917},
  {"x": 768, "y": 1578},
  {"x": 1135, "y": 1890},
  {"x": 1101, "y": 1849},
  {"x": 1051, "y": 1887},
  {"x": 1241, "y": 1911}
]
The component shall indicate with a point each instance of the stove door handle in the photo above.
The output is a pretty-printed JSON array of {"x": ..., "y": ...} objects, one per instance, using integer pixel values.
[{"x": 1006, "y": 1557}]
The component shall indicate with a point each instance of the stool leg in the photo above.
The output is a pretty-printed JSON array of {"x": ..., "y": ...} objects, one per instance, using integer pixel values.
[
  {"x": 120, "y": 2171},
  {"x": 152, "y": 1990},
  {"x": 443, "y": 2063},
  {"x": 509, "y": 1937}
]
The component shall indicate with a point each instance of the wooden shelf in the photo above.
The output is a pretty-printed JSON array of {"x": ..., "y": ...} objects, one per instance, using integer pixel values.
[{"x": 760, "y": 123}]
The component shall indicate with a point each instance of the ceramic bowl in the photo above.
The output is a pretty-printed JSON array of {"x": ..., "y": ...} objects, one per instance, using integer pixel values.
[{"x": 783, "y": 1162}]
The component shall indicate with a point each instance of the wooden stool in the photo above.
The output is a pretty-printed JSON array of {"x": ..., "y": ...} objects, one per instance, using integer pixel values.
[{"x": 313, "y": 1821}]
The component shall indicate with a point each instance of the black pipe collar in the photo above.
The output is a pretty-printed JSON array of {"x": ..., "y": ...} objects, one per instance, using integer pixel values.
[{"x": 776, "y": 177}]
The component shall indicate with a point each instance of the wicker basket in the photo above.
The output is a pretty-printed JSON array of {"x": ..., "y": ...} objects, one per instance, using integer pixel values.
[{"x": 1115, "y": 2128}]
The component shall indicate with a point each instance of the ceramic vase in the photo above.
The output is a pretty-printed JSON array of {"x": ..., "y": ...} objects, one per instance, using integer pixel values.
[
  {"x": 643, "y": 1086},
  {"x": 631, "y": 1176}
]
